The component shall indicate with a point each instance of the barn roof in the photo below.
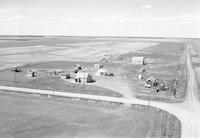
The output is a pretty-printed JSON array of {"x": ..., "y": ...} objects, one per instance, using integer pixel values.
[{"x": 139, "y": 58}]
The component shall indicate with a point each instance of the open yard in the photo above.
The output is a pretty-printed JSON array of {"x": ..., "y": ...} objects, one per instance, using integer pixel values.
[{"x": 30, "y": 116}]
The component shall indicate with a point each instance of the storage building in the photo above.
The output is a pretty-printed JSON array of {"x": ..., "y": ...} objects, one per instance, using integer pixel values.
[{"x": 138, "y": 60}]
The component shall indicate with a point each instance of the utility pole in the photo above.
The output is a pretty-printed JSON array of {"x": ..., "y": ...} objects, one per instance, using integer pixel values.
[
  {"x": 84, "y": 83},
  {"x": 151, "y": 96},
  {"x": 165, "y": 94},
  {"x": 149, "y": 99},
  {"x": 165, "y": 126},
  {"x": 15, "y": 77},
  {"x": 163, "y": 123}
]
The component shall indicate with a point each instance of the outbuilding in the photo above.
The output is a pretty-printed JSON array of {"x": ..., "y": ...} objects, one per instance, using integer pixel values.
[
  {"x": 104, "y": 60},
  {"x": 31, "y": 73},
  {"x": 83, "y": 77},
  {"x": 152, "y": 81},
  {"x": 139, "y": 76},
  {"x": 77, "y": 67},
  {"x": 16, "y": 69},
  {"x": 138, "y": 60},
  {"x": 65, "y": 76},
  {"x": 101, "y": 72},
  {"x": 98, "y": 65}
]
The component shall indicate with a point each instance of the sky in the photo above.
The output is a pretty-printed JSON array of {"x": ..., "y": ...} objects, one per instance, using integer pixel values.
[{"x": 148, "y": 18}]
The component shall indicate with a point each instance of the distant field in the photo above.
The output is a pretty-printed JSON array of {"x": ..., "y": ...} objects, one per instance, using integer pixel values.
[
  {"x": 20, "y": 41},
  {"x": 56, "y": 65},
  {"x": 37, "y": 116},
  {"x": 23, "y": 50}
]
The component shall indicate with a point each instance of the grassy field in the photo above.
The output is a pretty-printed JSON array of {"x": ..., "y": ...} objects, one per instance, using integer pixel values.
[
  {"x": 19, "y": 41},
  {"x": 23, "y": 50},
  {"x": 196, "y": 60},
  {"x": 56, "y": 65},
  {"x": 30, "y": 116}
]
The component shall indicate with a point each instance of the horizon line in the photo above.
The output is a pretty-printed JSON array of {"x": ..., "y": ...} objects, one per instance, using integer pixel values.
[{"x": 100, "y": 36}]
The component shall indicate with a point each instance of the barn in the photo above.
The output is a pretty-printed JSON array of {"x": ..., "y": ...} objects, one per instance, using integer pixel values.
[
  {"x": 138, "y": 60},
  {"x": 83, "y": 77}
]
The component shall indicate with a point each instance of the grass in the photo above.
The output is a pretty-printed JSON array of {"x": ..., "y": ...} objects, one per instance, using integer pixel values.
[
  {"x": 37, "y": 116},
  {"x": 55, "y": 65},
  {"x": 165, "y": 48}
]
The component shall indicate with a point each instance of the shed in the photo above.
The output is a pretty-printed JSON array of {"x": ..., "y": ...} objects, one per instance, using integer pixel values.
[
  {"x": 65, "y": 76},
  {"x": 83, "y": 77},
  {"x": 17, "y": 69},
  {"x": 139, "y": 76},
  {"x": 31, "y": 73},
  {"x": 104, "y": 60},
  {"x": 98, "y": 65},
  {"x": 139, "y": 60},
  {"x": 101, "y": 72}
]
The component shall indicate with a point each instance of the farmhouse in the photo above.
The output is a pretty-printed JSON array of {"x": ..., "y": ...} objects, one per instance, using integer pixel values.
[
  {"x": 83, "y": 77},
  {"x": 101, "y": 72},
  {"x": 138, "y": 60}
]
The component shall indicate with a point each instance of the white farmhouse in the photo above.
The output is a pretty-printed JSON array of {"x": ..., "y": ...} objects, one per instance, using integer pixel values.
[{"x": 83, "y": 77}]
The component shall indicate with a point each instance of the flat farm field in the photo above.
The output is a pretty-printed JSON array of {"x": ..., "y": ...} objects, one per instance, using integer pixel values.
[{"x": 37, "y": 116}]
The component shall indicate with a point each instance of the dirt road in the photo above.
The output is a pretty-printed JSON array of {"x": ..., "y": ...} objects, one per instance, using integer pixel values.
[{"x": 188, "y": 111}]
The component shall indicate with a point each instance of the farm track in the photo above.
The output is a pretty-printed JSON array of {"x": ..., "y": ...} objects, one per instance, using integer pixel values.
[{"x": 188, "y": 112}]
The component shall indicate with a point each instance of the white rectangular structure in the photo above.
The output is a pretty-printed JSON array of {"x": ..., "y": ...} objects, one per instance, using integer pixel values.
[
  {"x": 138, "y": 60},
  {"x": 83, "y": 77}
]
